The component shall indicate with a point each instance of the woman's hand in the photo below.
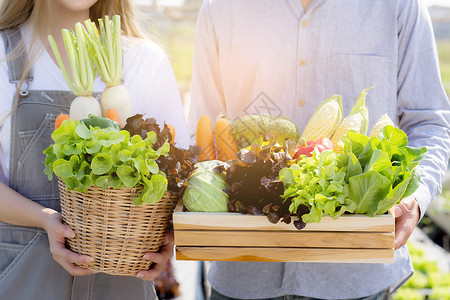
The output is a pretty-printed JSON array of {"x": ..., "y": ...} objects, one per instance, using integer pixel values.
[
  {"x": 160, "y": 259},
  {"x": 407, "y": 215},
  {"x": 57, "y": 232}
]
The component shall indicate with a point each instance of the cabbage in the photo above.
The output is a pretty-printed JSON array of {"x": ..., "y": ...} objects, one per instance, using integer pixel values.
[{"x": 205, "y": 188}]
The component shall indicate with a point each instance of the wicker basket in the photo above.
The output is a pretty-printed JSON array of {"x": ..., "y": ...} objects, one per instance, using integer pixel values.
[{"x": 112, "y": 230}]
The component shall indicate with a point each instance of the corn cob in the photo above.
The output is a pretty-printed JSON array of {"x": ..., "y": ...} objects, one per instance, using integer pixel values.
[
  {"x": 357, "y": 120},
  {"x": 353, "y": 122},
  {"x": 324, "y": 120},
  {"x": 379, "y": 125}
]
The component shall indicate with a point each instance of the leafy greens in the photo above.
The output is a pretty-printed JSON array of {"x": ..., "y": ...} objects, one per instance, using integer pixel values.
[
  {"x": 382, "y": 171},
  {"x": 108, "y": 158},
  {"x": 316, "y": 183},
  {"x": 178, "y": 164},
  {"x": 252, "y": 183},
  {"x": 369, "y": 177}
]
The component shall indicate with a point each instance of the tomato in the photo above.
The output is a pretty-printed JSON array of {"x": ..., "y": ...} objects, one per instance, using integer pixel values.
[{"x": 321, "y": 145}]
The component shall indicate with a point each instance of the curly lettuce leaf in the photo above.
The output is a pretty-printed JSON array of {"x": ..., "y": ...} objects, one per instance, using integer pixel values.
[
  {"x": 108, "y": 158},
  {"x": 317, "y": 183}
]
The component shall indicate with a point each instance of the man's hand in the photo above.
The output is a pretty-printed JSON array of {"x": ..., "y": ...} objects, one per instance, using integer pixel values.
[
  {"x": 160, "y": 259},
  {"x": 407, "y": 215}
]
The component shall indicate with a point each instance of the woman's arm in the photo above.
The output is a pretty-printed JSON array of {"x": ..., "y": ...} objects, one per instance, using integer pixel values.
[{"x": 18, "y": 210}]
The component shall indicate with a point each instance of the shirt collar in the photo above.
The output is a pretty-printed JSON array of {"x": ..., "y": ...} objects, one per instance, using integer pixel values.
[{"x": 297, "y": 7}]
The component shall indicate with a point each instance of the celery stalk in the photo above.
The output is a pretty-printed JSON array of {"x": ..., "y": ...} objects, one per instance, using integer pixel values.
[
  {"x": 89, "y": 68},
  {"x": 106, "y": 48},
  {"x": 82, "y": 81},
  {"x": 55, "y": 49},
  {"x": 102, "y": 33},
  {"x": 117, "y": 48},
  {"x": 97, "y": 53},
  {"x": 81, "y": 59},
  {"x": 109, "y": 44},
  {"x": 73, "y": 61}
]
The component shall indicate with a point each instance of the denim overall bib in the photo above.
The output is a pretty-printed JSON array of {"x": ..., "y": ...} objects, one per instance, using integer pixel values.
[{"x": 27, "y": 268}]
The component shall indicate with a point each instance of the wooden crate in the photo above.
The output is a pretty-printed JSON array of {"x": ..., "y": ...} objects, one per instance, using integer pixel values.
[{"x": 238, "y": 237}]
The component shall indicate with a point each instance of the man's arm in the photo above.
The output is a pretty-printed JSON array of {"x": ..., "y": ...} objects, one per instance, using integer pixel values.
[{"x": 423, "y": 109}]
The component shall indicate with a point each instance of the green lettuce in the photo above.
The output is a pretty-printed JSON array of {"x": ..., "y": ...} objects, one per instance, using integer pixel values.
[
  {"x": 370, "y": 176},
  {"x": 317, "y": 183},
  {"x": 380, "y": 171},
  {"x": 106, "y": 157}
]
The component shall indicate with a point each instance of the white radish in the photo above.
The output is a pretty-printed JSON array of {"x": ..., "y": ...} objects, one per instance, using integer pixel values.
[
  {"x": 82, "y": 73},
  {"x": 83, "y": 106},
  {"x": 118, "y": 98},
  {"x": 106, "y": 52}
]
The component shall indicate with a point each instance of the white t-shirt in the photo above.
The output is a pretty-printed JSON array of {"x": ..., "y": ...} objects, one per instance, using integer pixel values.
[{"x": 147, "y": 75}]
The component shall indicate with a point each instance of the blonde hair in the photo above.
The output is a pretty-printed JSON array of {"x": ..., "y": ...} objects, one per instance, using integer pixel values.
[{"x": 14, "y": 14}]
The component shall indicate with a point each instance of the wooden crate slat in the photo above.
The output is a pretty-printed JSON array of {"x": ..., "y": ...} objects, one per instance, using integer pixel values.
[
  {"x": 285, "y": 254},
  {"x": 285, "y": 239},
  {"x": 238, "y": 237},
  {"x": 236, "y": 221}
]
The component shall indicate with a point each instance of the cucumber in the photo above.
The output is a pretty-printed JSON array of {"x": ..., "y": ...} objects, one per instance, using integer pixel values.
[{"x": 100, "y": 122}]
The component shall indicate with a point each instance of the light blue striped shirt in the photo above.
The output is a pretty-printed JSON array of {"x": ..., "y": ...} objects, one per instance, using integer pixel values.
[{"x": 258, "y": 56}]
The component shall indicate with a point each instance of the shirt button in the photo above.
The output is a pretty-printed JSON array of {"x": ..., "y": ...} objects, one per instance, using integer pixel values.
[
  {"x": 304, "y": 23},
  {"x": 301, "y": 102},
  {"x": 302, "y": 62}
]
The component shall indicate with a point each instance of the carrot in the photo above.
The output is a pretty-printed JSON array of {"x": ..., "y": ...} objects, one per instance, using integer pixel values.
[
  {"x": 112, "y": 114},
  {"x": 205, "y": 139},
  {"x": 172, "y": 131},
  {"x": 59, "y": 119},
  {"x": 226, "y": 144}
]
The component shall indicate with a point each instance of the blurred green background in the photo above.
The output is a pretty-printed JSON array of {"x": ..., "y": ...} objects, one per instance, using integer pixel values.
[{"x": 444, "y": 58}]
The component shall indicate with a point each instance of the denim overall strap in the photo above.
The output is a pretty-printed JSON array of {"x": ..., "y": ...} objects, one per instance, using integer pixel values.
[
  {"x": 32, "y": 123},
  {"x": 12, "y": 38}
]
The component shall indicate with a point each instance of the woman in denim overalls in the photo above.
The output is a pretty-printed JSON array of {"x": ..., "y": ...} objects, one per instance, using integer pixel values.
[{"x": 29, "y": 267}]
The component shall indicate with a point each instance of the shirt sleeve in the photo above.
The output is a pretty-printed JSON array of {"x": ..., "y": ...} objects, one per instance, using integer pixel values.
[
  {"x": 207, "y": 97},
  {"x": 423, "y": 107}
]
